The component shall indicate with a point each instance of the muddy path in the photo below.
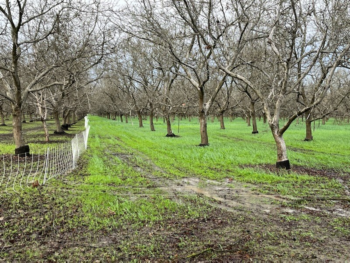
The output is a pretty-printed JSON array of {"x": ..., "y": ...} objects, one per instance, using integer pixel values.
[{"x": 231, "y": 195}]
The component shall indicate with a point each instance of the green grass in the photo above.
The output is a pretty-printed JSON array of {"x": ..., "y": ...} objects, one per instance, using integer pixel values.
[
  {"x": 34, "y": 136},
  {"x": 232, "y": 150},
  {"x": 228, "y": 155},
  {"x": 111, "y": 208}
]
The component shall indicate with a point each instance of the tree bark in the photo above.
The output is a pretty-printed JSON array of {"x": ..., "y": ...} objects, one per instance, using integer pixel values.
[
  {"x": 203, "y": 121},
  {"x": 252, "y": 109},
  {"x": 24, "y": 118},
  {"x": 139, "y": 116},
  {"x": 69, "y": 121},
  {"x": 248, "y": 120},
  {"x": 221, "y": 120},
  {"x": 17, "y": 126},
  {"x": 121, "y": 117},
  {"x": 126, "y": 119},
  {"x": 151, "y": 115},
  {"x": 282, "y": 159},
  {"x": 59, "y": 129},
  {"x": 21, "y": 149},
  {"x": 264, "y": 117},
  {"x": 2, "y": 117},
  {"x": 308, "y": 126},
  {"x": 47, "y": 135},
  {"x": 168, "y": 127},
  {"x": 74, "y": 117}
]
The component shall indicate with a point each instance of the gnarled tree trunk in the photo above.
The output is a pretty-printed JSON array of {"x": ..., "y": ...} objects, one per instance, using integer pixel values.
[{"x": 282, "y": 158}]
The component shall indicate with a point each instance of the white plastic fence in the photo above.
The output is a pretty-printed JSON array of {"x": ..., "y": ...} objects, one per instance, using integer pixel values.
[{"x": 16, "y": 173}]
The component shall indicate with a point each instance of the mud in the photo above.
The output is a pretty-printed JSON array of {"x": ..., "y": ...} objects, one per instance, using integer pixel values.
[
  {"x": 329, "y": 173},
  {"x": 231, "y": 195}
]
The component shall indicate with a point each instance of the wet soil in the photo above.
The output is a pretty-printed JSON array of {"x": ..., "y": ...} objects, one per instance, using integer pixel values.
[
  {"x": 235, "y": 223},
  {"x": 329, "y": 173}
]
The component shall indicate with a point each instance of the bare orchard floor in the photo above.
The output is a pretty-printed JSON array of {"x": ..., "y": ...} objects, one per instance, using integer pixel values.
[{"x": 140, "y": 196}]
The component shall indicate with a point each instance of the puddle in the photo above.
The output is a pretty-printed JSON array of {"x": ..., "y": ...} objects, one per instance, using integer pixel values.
[{"x": 229, "y": 196}]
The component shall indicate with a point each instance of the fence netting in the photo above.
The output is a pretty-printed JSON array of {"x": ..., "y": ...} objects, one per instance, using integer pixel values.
[{"x": 17, "y": 173}]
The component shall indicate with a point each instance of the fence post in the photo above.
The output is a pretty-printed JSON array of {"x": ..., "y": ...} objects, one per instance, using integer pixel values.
[{"x": 46, "y": 164}]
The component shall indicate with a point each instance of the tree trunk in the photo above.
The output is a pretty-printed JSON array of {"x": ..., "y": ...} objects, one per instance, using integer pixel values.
[
  {"x": 74, "y": 117},
  {"x": 264, "y": 117},
  {"x": 121, "y": 117},
  {"x": 151, "y": 115},
  {"x": 21, "y": 149},
  {"x": 255, "y": 126},
  {"x": 59, "y": 129},
  {"x": 282, "y": 159},
  {"x": 203, "y": 121},
  {"x": 24, "y": 118},
  {"x": 64, "y": 116},
  {"x": 140, "y": 119},
  {"x": 126, "y": 119},
  {"x": 69, "y": 121},
  {"x": 2, "y": 117},
  {"x": 308, "y": 126},
  {"x": 168, "y": 127},
  {"x": 221, "y": 120},
  {"x": 47, "y": 135},
  {"x": 231, "y": 118},
  {"x": 248, "y": 120},
  {"x": 212, "y": 118}
]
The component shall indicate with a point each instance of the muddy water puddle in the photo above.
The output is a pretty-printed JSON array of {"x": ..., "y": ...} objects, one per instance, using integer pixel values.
[{"x": 229, "y": 196}]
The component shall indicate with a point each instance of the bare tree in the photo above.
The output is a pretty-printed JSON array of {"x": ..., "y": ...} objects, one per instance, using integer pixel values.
[
  {"x": 25, "y": 23},
  {"x": 298, "y": 36},
  {"x": 192, "y": 32}
]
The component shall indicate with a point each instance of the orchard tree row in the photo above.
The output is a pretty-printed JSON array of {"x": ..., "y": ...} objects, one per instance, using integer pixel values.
[{"x": 280, "y": 60}]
